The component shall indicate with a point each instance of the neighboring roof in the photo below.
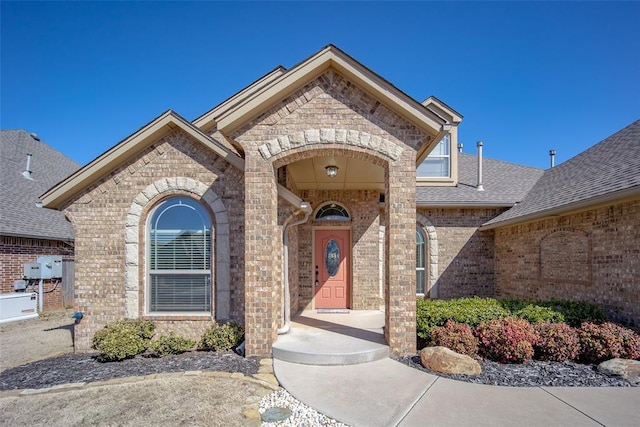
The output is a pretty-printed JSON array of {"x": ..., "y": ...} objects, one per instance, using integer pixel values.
[
  {"x": 610, "y": 170},
  {"x": 274, "y": 86},
  {"x": 56, "y": 196},
  {"x": 504, "y": 184},
  {"x": 19, "y": 215}
]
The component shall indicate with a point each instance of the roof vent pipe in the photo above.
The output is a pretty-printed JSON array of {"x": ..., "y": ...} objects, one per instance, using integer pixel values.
[
  {"x": 459, "y": 147},
  {"x": 27, "y": 170},
  {"x": 552, "y": 156},
  {"x": 480, "y": 187}
]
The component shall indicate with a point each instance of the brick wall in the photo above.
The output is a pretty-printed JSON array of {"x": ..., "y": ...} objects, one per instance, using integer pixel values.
[
  {"x": 17, "y": 251},
  {"x": 101, "y": 216},
  {"x": 593, "y": 256},
  {"x": 465, "y": 254}
]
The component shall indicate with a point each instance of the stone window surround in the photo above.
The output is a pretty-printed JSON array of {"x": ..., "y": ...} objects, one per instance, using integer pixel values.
[
  {"x": 141, "y": 203},
  {"x": 432, "y": 254}
]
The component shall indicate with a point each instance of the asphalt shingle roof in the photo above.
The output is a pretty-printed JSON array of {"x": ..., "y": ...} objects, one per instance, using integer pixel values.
[
  {"x": 609, "y": 166},
  {"x": 504, "y": 184},
  {"x": 19, "y": 215}
]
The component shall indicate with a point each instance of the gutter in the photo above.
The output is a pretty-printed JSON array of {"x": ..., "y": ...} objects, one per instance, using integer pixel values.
[
  {"x": 305, "y": 207},
  {"x": 566, "y": 208}
]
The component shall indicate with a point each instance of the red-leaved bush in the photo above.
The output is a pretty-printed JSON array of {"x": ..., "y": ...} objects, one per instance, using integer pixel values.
[
  {"x": 599, "y": 342},
  {"x": 455, "y": 336},
  {"x": 556, "y": 342},
  {"x": 507, "y": 340}
]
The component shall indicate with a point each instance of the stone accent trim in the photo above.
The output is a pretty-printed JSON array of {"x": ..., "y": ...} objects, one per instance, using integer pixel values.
[
  {"x": 222, "y": 249},
  {"x": 430, "y": 231},
  {"x": 330, "y": 136}
]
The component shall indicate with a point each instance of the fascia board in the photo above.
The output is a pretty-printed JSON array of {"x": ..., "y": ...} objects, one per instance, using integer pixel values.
[
  {"x": 316, "y": 65},
  {"x": 111, "y": 159},
  {"x": 208, "y": 119},
  {"x": 68, "y": 239},
  {"x": 566, "y": 209},
  {"x": 432, "y": 101}
]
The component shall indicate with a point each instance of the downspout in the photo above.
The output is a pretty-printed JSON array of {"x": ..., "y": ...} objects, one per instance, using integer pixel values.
[{"x": 306, "y": 208}]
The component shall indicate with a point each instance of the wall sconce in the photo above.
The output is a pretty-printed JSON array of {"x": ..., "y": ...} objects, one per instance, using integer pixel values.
[{"x": 332, "y": 171}]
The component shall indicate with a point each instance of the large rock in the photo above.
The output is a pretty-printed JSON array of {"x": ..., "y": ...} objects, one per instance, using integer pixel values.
[
  {"x": 445, "y": 361},
  {"x": 625, "y": 368}
]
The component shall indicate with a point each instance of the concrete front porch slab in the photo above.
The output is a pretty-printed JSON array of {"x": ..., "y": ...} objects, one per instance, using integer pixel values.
[{"x": 333, "y": 339}]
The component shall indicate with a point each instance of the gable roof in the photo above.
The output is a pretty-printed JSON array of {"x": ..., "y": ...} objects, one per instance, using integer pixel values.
[
  {"x": 18, "y": 211},
  {"x": 504, "y": 184},
  {"x": 56, "y": 196},
  {"x": 609, "y": 170},
  {"x": 250, "y": 102}
]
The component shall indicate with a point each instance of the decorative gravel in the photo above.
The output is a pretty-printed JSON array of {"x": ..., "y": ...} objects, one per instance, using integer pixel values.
[
  {"x": 301, "y": 415},
  {"x": 531, "y": 374},
  {"x": 73, "y": 368}
]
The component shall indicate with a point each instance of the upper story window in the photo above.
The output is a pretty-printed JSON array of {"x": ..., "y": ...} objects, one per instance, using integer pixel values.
[
  {"x": 332, "y": 212},
  {"x": 438, "y": 162},
  {"x": 179, "y": 268}
]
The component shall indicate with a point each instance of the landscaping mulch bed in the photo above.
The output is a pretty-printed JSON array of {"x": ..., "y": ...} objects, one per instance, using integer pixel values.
[
  {"x": 534, "y": 373},
  {"x": 73, "y": 368}
]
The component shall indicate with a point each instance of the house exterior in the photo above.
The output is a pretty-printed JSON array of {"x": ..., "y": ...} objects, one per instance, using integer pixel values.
[
  {"x": 319, "y": 187},
  {"x": 28, "y": 167}
]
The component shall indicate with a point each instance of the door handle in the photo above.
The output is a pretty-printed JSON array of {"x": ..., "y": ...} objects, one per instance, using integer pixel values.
[{"x": 317, "y": 274}]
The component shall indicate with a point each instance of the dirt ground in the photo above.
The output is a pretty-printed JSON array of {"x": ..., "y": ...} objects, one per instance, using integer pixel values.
[
  {"x": 218, "y": 399},
  {"x": 29, "y": 340}
]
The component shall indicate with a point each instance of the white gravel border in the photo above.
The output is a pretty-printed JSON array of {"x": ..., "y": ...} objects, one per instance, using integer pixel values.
[{"x": 301, "y": 414}]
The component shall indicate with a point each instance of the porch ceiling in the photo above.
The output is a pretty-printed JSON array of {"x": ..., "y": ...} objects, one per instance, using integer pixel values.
[{"x": 353, "y": 174}]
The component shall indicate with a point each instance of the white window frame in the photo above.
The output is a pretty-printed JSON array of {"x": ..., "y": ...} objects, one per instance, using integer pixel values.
[
  {"x": 153, "y": 274},
  {"x": 421, "y": 270},
  {"x": 446, "y": 143}
]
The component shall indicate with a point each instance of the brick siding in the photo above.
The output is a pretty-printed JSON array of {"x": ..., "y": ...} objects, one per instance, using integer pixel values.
[
  {"x": 99, "y": 216},
  {"x": 593, "y": 256}
]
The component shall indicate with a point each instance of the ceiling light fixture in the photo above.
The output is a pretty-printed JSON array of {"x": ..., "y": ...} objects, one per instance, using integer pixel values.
[{"x": 332, "y": 171}]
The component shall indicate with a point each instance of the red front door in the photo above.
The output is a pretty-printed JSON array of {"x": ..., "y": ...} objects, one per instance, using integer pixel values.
[{"x": 332, "y": 268}]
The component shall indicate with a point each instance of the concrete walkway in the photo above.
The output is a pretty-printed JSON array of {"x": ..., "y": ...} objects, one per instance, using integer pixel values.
[{"x": 387, "y": 393}]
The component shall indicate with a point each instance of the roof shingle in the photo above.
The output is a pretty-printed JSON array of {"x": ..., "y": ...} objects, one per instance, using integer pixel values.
[
  {"x": 19, "y": 215},
  {"x": 610, "y": 166},
  {"x": 504, "y": 184}
]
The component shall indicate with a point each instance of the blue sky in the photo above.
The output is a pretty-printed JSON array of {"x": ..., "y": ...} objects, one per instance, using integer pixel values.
[{"x": 526, "y": 76}]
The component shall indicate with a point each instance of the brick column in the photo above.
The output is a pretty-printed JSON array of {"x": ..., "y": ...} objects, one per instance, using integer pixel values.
[
  {"x": 400, "y": 298},
  {"x": 262, "y": 265}
]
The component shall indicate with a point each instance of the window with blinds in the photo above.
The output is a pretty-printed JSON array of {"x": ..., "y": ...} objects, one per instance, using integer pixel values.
[
  {"x": 180, "y": 257},
  {"x": 438, "y": 162}
]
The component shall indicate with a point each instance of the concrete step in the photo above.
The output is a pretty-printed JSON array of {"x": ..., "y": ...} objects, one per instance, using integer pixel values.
[{"x": 335, "y": 346}]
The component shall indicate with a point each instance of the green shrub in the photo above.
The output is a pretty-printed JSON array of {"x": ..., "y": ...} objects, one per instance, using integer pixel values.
[
  {"x": 575, "y": 313},
  {"x": 123, "y": 339},
  {"x": 539, "y": 314},
  {"x": 470, "y": 311},
  {"x": 455, "y": 336},
  {"x": 222, "y": 337},
  {"x": 508, "y": 340},
  {"x": 556, "y": 342},
  {"x": 607, "y": 341},
  {"x": 572, "y": 313},
  {"x": 170, "y": 344}
]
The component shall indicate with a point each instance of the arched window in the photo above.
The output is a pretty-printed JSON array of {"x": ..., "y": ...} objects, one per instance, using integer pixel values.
[
  {"x": 179, "y": 257},
  {"x": 332, "y": 212},
  {"x": 421, "y": 261}
]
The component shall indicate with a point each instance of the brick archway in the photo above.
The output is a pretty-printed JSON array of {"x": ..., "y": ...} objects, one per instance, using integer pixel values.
[
  {"x": 398, "y": 162},
  {"x": 222, "y": 249}
]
